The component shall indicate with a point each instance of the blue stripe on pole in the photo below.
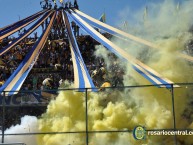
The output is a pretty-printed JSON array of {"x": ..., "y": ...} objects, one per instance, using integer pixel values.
[
  {"x": 147, "y": 74},
  {"x": 166, "y": 84},
  {"x": 16, "y": 41},
  {"x": 97, "y": 38},
  {"x": 19, "y": 82},
  {"x": 94, "y": 24},
  {"x": 21, "y": 65},
  {"x": 19, "y": 22},
  {"x": 143, "y": 74},
  {"x": 80, "y": 74},
  {"x": 17, "y": 78},
  {"x": 81, "y": 70},
  {"x": 84, "y": 79},
  {"x": 103, "y": 28},
  {"x": 158, "y": 78}
]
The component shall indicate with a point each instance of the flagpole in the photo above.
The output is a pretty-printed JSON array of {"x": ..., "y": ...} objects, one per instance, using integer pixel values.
[
  {"x": 145, "y": 15},
  {"x": 105, "y": 16}
]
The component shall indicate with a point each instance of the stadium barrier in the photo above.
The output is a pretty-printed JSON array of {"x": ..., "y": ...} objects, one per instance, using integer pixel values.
[
  {"x": 153, "y": 100},
  {"x": 12, "y": 144}
]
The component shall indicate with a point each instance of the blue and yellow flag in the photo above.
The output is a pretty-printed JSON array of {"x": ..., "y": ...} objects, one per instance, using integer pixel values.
[{"x": 103, "y": 18}]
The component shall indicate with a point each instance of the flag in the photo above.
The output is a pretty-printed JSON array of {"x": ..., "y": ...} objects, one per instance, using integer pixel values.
[
  {"x": 178, "y": 6},
  {"x": 103, "y": 18},
  {"x": 125, "y": 25},
  {"x": 145, "y": 13},
  {"x": 145, "y": 17}
]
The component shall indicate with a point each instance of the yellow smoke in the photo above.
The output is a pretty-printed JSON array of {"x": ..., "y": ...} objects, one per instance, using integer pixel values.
[
  {"x": 106, "y": 112},
  {"x": 65, "y": 114},
  {"x": 115, "y": 110}
]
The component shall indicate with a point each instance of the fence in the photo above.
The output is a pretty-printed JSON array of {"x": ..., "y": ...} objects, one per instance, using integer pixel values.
[
  {"x": 12, "y": 144},
  {"x": 108, "y": 116}
]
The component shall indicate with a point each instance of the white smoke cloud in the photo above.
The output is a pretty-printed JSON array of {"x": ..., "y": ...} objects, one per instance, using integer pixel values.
[{"x": 28, "y": 124}]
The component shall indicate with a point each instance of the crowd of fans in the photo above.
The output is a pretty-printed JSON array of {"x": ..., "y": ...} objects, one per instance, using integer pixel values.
[
  {"x": 55, "y": 58},
  {"x": 55, "y": 61}
]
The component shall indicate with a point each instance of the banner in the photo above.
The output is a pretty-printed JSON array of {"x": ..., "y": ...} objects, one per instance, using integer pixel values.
[
  {"x": 151, "y": 75},
  {"x": 15, "y": 81},
  {"x": 82, "y": 78}
]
